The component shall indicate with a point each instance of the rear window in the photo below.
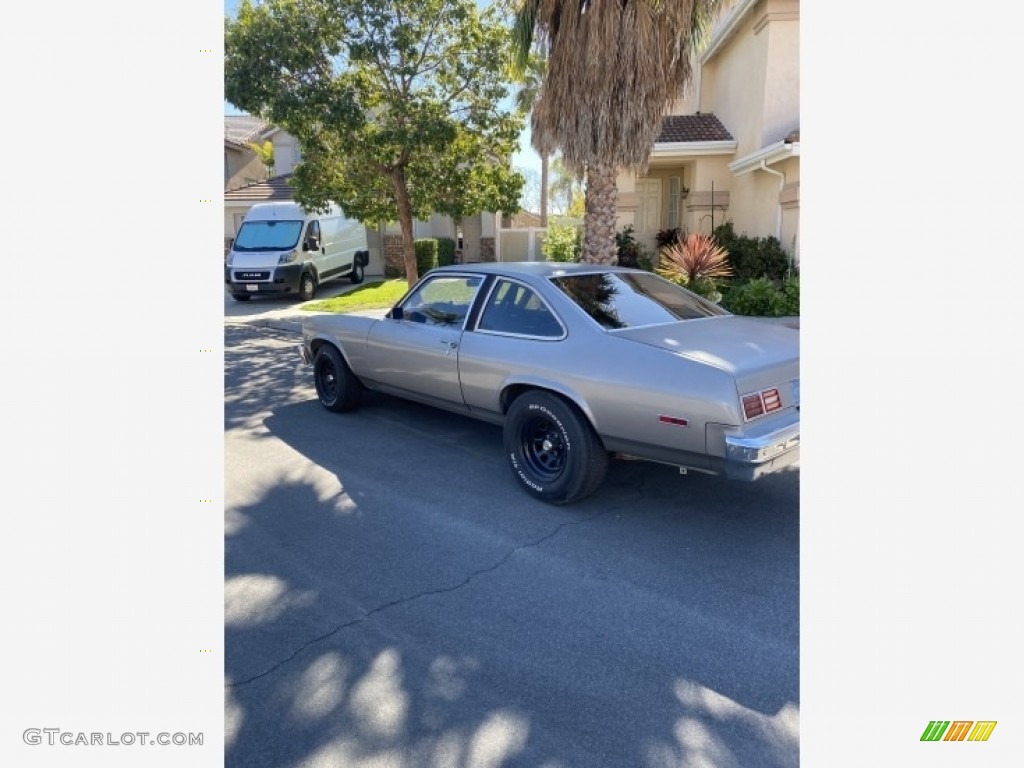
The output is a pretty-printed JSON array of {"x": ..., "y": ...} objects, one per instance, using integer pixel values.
[{"x": 627, "y": 299}]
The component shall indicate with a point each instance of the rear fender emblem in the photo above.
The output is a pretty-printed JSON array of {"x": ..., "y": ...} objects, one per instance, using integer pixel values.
[{"x": 674, "y": 421}]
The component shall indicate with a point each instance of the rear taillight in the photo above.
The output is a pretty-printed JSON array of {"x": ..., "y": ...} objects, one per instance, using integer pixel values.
[
  {"x": 752, "y": 406},
  {"x": 760, "y": 403}
]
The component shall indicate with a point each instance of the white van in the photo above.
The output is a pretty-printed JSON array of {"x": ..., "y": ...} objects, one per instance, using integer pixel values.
[{"x": 281, "y": 249}]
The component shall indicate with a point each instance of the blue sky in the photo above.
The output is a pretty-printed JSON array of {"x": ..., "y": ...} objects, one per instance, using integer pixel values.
[{"x": 526, "y": 158}]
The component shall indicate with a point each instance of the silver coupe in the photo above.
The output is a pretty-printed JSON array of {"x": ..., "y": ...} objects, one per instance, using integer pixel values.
[{"x": 579, "y": 363}]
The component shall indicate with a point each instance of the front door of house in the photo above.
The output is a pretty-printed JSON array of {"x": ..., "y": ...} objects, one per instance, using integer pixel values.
[{"x": 648, "y": 212}]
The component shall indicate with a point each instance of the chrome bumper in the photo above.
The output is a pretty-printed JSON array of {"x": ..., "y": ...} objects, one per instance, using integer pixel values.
[{"x": 749, "y": 456}]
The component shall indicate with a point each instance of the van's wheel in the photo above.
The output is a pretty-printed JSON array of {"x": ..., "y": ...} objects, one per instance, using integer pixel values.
[
  {"x": 358, "y": 273},
  {"x": 307, "y": 287},
  {"x": 553, "y": 452},
  {"x": 336, "y": 385},
  {"x": 241, "y": 296}
]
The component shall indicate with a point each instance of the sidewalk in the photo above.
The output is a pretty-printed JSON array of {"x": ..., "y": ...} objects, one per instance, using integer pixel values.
[{"x": 284, "y": 313}]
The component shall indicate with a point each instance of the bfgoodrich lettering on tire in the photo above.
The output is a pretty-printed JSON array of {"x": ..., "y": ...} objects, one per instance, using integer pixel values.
[
  {"x": 553, "y": 451},
  {"x": 336, "y": 385}
]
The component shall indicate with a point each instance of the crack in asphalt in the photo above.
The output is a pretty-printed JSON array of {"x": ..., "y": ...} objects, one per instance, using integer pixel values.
[{"x": 428, "y": 593}]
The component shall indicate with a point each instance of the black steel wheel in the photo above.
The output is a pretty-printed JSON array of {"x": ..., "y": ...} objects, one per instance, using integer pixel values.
[
  {"x": 552, "y": 449},
  {"x": 336, "y": 386}
]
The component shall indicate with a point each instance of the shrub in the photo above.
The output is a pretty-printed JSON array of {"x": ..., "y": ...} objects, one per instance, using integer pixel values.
[
  {"x": 630, "y": 252},
  {"x": 627, "y": 247},
  {"x": 758, "y": 297},
  {"x": 445, "y": 251},
  {"x": 426, "y": 254},
  {"x": 791, "y": 297},
  {"x": 753, "y": 257},
  {"x": 668, "y": 237},
  {"x": 562, "y": 242},
  {"x": 697, "y": 262}
]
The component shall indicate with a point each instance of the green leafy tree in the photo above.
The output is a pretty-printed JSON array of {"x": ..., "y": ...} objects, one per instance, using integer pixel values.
[
  {"x": 565, "y": 186},
  {"x": 396, "y": 104},
  {"x": 529, "y": 89},
  {"x": 265, "y": 153},
  {"x": 613, "y": 65}
]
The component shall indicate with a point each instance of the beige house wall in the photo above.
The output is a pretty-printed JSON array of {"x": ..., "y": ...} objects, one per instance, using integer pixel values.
[
  {"x": 751, "y": 83},
  {"x": 241, "y": 167},
  {"x": 286, "y": 152},
  {"x": 782, "y": 68}
]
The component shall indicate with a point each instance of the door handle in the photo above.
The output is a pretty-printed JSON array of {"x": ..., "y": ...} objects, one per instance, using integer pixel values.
[{"x": 450, "y": 344}]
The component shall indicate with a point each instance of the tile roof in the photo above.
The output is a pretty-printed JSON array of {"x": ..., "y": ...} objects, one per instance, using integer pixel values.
[
  {"x": 276, "y": 188},
  {"x": 698, "y": 127},
  {"x": 240, "y": 129}
]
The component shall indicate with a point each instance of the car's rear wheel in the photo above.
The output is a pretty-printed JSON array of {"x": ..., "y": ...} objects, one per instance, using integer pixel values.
[
  {"x": 307, "y": 287},
  {"x": 241, "y": 296},
  {"x": 358, "y": 273},
  {"x": 552, "y": 449},
  {"x": 336, "y": 386}
]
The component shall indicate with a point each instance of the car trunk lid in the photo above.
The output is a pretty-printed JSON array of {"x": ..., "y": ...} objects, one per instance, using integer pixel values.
[{"x": 757, "y": 353}]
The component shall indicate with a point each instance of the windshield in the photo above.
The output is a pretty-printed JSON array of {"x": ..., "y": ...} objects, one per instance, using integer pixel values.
[
  {"x": 627, "y": 299},
  {"x": 268, "y": 235}
]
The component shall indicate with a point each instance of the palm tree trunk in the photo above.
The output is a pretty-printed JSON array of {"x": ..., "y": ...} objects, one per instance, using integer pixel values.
[
  {"x": 544, "y": 190},
  {"x": 599, "y": 222}
]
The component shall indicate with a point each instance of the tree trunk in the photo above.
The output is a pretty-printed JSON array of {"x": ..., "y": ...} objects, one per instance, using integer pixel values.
[
  {"x": 405, "y": 222},
  {"x": 599, "y": 222},
  {"x": 543, "y": 190}
]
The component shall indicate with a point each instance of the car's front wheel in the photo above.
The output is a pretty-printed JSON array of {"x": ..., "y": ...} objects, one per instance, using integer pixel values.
[
  {"x": 307, "y": 287},
  {"x": 553, "y": 451},
  {"x": 336, "y": 386},
  {"x": 241, "y": 296}
]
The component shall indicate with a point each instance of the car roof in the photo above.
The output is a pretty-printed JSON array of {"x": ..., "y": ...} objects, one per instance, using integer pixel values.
[{"x": 533, "y": 268}]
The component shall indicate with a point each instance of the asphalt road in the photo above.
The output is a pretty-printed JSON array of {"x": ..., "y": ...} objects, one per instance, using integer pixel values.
[{"x": 393, "y": 599}]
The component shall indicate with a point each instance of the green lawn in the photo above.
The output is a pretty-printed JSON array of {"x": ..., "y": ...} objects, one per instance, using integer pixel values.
[{"x": 382, "y": 295}]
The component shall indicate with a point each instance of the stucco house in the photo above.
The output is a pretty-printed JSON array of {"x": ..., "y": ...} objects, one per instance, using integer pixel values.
[
  {"x": 241, "y": 165},
  {"x": 729, "y": 147}
]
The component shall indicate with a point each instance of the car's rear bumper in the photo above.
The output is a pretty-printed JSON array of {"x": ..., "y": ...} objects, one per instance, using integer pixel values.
[{"x": 760, "y": 452}]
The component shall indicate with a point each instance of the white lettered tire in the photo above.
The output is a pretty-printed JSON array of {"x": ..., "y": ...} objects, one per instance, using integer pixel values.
[{"x": 552, "y": 449}]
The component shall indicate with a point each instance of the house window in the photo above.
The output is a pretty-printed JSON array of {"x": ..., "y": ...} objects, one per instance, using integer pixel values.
[{"x": 674, "y": 188}]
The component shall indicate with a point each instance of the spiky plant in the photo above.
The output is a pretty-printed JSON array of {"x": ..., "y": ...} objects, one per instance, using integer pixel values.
[{"x": 696, "y": 261}]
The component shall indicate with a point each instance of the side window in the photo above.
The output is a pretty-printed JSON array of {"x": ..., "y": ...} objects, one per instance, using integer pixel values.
[
  {"x": 515, "y": 309},
  {"x": 313, "y": 232},
  {"x": 442, "y": 300}
]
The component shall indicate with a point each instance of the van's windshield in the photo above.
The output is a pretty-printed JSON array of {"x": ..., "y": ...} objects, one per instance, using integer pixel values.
[{"x": 268, "y": 235}]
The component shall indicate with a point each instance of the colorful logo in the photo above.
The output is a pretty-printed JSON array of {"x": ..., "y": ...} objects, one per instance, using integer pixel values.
[{"x": 958, "y": 730}]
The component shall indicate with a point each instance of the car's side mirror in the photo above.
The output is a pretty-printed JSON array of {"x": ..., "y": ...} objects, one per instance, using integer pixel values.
[{"x": 396, "y": 313}]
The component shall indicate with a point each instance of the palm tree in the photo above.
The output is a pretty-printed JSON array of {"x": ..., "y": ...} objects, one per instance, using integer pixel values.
[
  {"x": 530, "y": 79},
  {"x": 613, "y": 65}
]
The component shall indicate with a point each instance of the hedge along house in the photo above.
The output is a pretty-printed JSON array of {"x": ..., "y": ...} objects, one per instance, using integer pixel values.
[
  {"x": 385, "y": 241},
  {"x": 729, "y": 148}
]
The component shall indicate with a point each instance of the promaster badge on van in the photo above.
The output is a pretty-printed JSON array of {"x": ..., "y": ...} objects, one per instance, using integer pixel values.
[{"x": 281, "y": 249}]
